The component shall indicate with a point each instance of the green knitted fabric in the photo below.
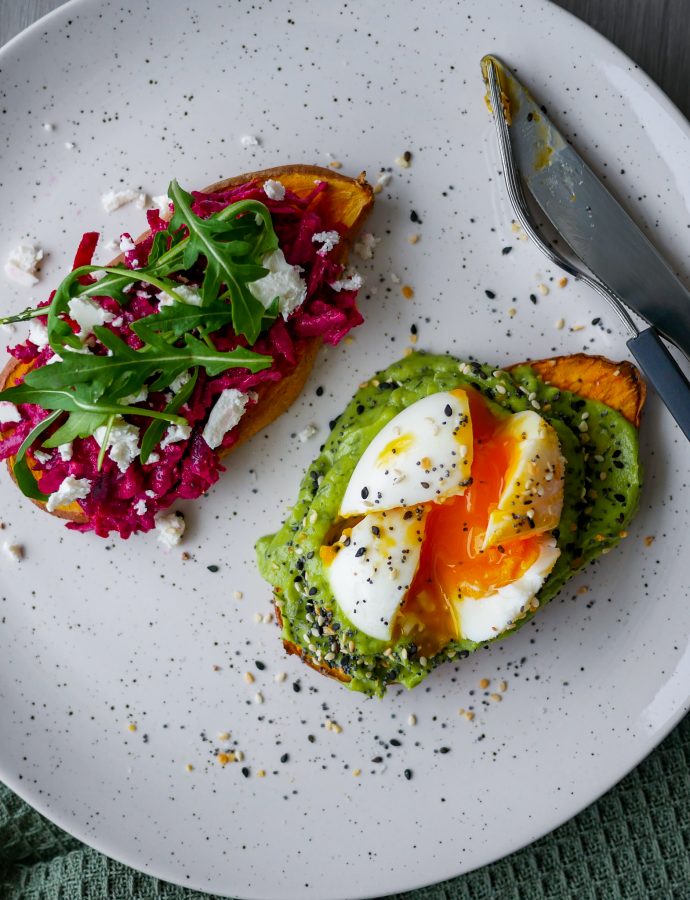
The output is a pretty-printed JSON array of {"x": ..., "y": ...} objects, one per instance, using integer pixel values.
[{"x": 632, "y": 844}]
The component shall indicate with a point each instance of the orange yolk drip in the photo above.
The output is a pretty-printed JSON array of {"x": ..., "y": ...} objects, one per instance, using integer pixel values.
[{"x": 452, "y": 564}]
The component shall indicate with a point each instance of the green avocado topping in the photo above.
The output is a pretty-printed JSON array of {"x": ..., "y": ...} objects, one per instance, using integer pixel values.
[{"x": 601, "y": 492}]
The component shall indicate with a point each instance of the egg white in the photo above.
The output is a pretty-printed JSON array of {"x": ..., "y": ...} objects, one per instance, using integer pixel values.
[
  {"x": 373, "y": 568},
  {"x": 423, "y": 454},
  {"x": 482, "y": 618}
]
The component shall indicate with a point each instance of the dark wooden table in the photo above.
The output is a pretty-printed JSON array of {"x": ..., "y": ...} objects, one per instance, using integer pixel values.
[{"x": 654, "y": 33}]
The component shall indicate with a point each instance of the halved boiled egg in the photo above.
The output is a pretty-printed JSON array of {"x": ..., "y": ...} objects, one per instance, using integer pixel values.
[
  {"x": 422, "y": 454},
  {"x": 371, "y": 567},
  {"x": 483, "y": 547}
]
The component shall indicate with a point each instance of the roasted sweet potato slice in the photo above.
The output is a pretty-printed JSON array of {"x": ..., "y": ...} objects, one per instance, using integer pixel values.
[
  {"x": 347, "y": 202},
  {"x": 618, "y": 385}
]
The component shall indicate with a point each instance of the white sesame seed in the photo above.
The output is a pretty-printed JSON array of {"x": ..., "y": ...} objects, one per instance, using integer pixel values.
[
  {"x": 258, "y": 618},
  {"x": 249, "y": 677},
  {"x": 280, "y": 677},
  {"x": 543, "y": 289},
  {"x": 560, "y": 324},
  {"x": 237, "y": 595},
  {"x": 412, "y": 719},
  {"x": 258, "y": 697}
]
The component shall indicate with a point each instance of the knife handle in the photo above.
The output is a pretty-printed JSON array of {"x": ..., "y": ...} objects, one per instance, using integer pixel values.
[{"x": 664, "y": 374}]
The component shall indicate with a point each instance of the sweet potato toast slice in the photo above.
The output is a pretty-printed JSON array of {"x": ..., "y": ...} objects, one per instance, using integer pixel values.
[
  {"x": 617, "y": 384},
  {"x": 347, "y": 202}
]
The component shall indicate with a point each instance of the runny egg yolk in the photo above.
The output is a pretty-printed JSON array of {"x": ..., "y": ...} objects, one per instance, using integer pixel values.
[{"x": 452, "y": 563}]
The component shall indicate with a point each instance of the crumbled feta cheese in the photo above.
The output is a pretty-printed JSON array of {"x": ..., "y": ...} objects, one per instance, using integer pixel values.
[
  {"x": 170, "y": 528},
  {"x": 162, "y": 203},
  {"x": 174, "y": 434},
  {"x": 9, "y": 412},
  {"x": 41, "y": 457},
  {"x": 22, "y": 264},
  {"x": 189, "y": 293},
  {"x": 65, "y": 451},
  {"x": 112, "y": 244},
  {"x": 366, "y": 245},
  {"x": 150, "y": 494},
  {"x": 248, "y": 140},
  {"x": 130, "y": 399},
  {"x": 140, "y": 507},
  {"x": 87, "y": 314},
  {"x": 283, "y": 281},
  {"x": 113, "y": 200},
  {"x": 395, "y": 278},
  {"x": 48, "y": 126},
  {"x": 352, "y": 281},
  {"x": 38, "y": 334},
  {"x": 226, "y": 413},
  {"x": 329, "y": 239},
  {"x": 307, "y": 433},
  {"x": 118, "y": 322},
  {"x": 153, "y": 458},
  {"x": 14, "y": 551},
  {"x": 123, "y": 442},
  {"x": 70, "y": 490},
  {"x": 384, "y": 179},
  {"x": 178, "y": 383},
  {"x": 142, "y": 201},
  {"x": 274, "y": 190},
  {"x": 126, "y": 243}
]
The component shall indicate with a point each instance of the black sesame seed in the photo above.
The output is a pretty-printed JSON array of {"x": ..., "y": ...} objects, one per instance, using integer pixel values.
[
  {"x": 413, "y": 329},
  {"x": 285, "y": 757},
  {"x": 506, "y": 250},
  {"x": 414, "y": 217},
  {"x": 394, "y": 742},
  {"x": 377, "y": 759},
  {"x": 360, "y": 552},
  {"x": 311, "y": 738},
  {"x": 313, "y": 591},
  {"x": 533, "y": 298},
  {"x": 245, "y": 771},
  {"x": 444, "y": 749},
  {"x": 319, "y": 391},
  {"x": 448, "y": 410},
  {"x": 408, "y": 774},
  {"x": 259, "y": 665},
  {"x": 490, "y": 294},
  {"x": 375, "y": 530},
  {"x": 213, "y": 568},
  {"x": 360, "y": 409},
  {"x": 296, "y": 687},
  {"x": 364, "y": 493}
]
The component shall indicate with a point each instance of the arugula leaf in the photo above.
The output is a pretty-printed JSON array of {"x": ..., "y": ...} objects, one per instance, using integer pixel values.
[
  {"x": 77, "y": 424},
  {"x": 184, "y": 317},
  {"x": 25, "y": 315},
  {"x": 157, "y": 429},
  {"x": 20, "y": 468}
]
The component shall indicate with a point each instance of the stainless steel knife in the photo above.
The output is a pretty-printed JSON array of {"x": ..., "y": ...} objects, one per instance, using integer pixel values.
[
  {"x": 593, "y": 223},
  {"x": 547, "y": 164}
]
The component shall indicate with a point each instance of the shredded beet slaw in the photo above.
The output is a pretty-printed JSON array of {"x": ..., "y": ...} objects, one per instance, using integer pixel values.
[{"x": 188, "y": 468}]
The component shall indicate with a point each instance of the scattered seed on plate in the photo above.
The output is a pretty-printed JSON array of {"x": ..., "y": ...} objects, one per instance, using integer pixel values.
[
  {"x": 412, "y": 719},
  {"x": 335, "y": 164},
  {"x": 261, "y": 773},
  {"x": 280, "y": 677},
  {"x": 484, "y": 683},
  {"x": 404, "y": 160},
  {"x": 503, "y": 686},
  {"x": 543, "y": 289},
  {"x": 562, "y": 282},
  {"x": 249, "y": 677},
  {"x": 512, "y": 312},
  {"x": 189, "y": 767},
  {"x": 560, "y": 324},
  {"x": 131, "y": 727},
  {"x": 356, "y": 772},
  {"x": 414, "y": 238},
  {"x": 496, "y": 698},
  {"x": 407, "y": 291},
  {"x": 649, "y": 540},
  {"x": 237, "y": 595},
  {"x": 258, "y": 697},
  {"x": 258, "y": 618},
  {"x": 224, "y": 736},
  {"x": 577, "y": 327}
]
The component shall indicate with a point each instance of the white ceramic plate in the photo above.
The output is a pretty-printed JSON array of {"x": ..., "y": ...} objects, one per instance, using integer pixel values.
[{"x": 96, "y": 634}]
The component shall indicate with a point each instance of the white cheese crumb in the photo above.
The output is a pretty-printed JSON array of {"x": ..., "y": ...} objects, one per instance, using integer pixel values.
[
  {"x": 65, "y": 451},
  {"x": 142, "y": 201},
  {"x": 41, "y": 457},
  {"x": 153, "y": 458},
  {"x": 14, "y": 551},
  {"x": 130, "y": 399},
  {"x": 170, "y": 528},
  {"x": 384, "y": 179},
  {"x": 283, "y": 281},
  {"x": 162, "y": 203},
  {"x": 366, "y": 245},
  {"x": 352, "y": 281},
  {"x": 248, "y": 140},
  {"x": 127, "y": 244},
  {"x": 188, "y": 293},
  {"x": 123, "y": 442},
  {"x": 226, "y": 413},
  {"x": 274, "y": 190},
  {"x": 179, "y": 382},
  {"x": 306, "y": 433},
  {"x": 113, "y": 200},
  {"x": 329, "y": 239},
  {"x": 38, "y": 334},
  {"x": 9, "y": 412},
  {"x": 22, "y": 264},
  {"x": 174, "y": 434},
  {"x": 87, "y": 314},
  {"x": 395, "y": 278},
  {"x": 140, "y": 507},
  {"x": 71, "y": 489},
  {"x": 48, "y": 126}
]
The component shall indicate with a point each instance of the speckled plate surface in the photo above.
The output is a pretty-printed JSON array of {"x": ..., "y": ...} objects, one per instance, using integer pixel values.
[{"x": 98, "y": 637}]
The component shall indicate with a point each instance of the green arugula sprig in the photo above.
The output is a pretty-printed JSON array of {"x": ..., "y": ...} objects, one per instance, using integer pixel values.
[{"x": 226, "y": 251}]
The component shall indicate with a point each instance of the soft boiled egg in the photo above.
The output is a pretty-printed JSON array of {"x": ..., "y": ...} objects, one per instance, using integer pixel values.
[
  {"x": 473, "y": 560},
  {"x": 371, "y": 567},
  {"x": 422, "y": 454}
]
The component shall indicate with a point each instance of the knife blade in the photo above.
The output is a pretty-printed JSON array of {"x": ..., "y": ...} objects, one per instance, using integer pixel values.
[{"x": 592, "y": 222}]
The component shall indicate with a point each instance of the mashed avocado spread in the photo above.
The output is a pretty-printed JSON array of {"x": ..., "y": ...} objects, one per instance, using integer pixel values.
[{"x": 601, "y": 491}]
